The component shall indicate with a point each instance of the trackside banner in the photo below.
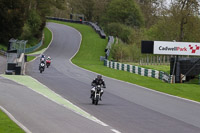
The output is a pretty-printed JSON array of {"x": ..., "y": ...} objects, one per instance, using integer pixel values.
[{"x": 176, "y": 48}]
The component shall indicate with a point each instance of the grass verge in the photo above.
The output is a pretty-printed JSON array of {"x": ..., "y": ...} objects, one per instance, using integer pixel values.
[
  {"x": 92, "y": 47},
  {"x": 7, "y": 125},
  {"x": 3, "y": 47},
  {"x": 47, "y": 40},
  {"x": 30, "y": 58}
]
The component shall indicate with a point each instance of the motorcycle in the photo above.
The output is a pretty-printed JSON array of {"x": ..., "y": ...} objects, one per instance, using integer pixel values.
[
  {"x": 48, "y": 62},
  {"x": 41, "y": 68},
  {"x": 96, "y": 95}
]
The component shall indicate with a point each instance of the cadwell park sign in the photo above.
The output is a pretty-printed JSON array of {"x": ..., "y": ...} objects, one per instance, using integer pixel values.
[
  {"x": 189, "y": 67},
  {"x": 176, "y": 48}
]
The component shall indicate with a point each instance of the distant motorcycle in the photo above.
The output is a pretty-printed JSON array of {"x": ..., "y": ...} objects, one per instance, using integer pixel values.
[
  {"x": 95, "y": 98},
  {"x": 48, "y": 63},
  {"x": 41, "y": 67}
]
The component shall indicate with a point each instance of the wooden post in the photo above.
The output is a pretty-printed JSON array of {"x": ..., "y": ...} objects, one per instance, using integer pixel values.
[
  {"x": 157, "y": 60},
  {"x": 164, "y": 60}
]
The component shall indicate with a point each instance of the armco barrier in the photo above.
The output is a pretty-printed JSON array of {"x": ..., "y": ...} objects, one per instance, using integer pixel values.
[
  {"x": 109, "y": 45},
  {"x": 93, "y": 25},
  {"x": 138, "y": 70},
  {"x": 31, "y": 49}
]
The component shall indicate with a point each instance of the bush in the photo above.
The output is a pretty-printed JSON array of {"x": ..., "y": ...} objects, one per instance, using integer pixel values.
[
  {"x": 125, "y": 53},
  {"x": 119, "y": 30},
  {"x": 26, "y": 32},
  {"x": 34, "y": 22}
]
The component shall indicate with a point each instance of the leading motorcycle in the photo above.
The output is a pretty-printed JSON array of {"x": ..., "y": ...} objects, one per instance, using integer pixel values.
[
  {"x": 41, "y": 67},
  {"x": 96, "y": 95}
]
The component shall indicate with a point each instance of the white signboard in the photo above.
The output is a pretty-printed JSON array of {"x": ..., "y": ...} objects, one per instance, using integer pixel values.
[{"x": 176, "y": 48}]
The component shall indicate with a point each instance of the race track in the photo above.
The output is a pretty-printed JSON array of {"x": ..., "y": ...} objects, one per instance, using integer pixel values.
[{"x": 125, "y": 107}]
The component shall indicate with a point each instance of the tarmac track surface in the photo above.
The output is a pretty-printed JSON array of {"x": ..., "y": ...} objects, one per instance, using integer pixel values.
[{"x": 125, "y": 107}]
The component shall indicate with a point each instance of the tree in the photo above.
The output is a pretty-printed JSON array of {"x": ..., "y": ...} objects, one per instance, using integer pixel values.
[
  {"x": 185, "y": 9},
  {"x": 12, "y": 19},
  {"x": 125, "y": 12},
  {"x": 99, "y": 9},
  {"x": 85, "y": 7},
  {"x": 151, "y": 10},
  {"x": 180, "y": 22}
]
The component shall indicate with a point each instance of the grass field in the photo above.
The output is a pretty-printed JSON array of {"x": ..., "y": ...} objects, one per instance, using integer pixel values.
[
  {"x": 92, "y": 47},
  {"x": 7, "y": 125}
]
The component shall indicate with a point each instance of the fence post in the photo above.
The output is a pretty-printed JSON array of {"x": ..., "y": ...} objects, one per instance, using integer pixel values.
[
  {"x": 133, "y": 69},
  {"x": 128, "y": 68},
  {"x": 105, "y": 62},
  {"x": 117, "y": 66},
  {"x": 122, "y": 67}
]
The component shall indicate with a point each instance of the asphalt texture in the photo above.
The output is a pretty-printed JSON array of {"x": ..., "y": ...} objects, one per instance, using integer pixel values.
[{"x": 125, "y": 107}]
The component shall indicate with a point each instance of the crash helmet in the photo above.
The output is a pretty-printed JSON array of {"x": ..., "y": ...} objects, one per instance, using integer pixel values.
[
  {"x": 99, "y": 77},
  {"x": 42, "y": 60}
]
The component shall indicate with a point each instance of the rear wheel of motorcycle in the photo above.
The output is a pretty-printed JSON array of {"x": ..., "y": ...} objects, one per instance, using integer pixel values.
[{"x": 40, "y": 71}]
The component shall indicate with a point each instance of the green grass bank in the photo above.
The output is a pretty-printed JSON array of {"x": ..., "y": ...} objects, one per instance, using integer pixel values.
[
  {"x": 7, "y": 125},
  {"x": 47, "y": 40}
]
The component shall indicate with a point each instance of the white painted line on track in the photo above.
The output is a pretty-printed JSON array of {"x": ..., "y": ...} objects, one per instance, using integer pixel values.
[
  {"x": 115, "y": 131},
  {"x": 13, "y": 119}
]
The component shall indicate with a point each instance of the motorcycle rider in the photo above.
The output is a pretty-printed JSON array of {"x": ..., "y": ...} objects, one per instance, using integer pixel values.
[
  {"x": 95, "y": 82},
  {"x": 48, "y": 61},
  {"x": 48, "y": 58},
  {"x": 42, "y": 57},
  {"x": 42, "y": 61}
]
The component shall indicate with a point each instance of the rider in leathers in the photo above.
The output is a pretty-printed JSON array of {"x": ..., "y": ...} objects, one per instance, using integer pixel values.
[{"x": 95, "y": 82}]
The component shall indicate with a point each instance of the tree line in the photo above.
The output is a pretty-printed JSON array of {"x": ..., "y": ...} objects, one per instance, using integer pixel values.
[
  {"x": 129, "y": 20},
  {"x": 24, "y": 19}
]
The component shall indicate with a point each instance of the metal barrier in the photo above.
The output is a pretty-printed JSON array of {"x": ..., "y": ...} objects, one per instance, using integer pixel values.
[
  {"x": 31, "y": 49},
  {"x": 109, "y": 45},
  {"x": 93, "y": 25}
]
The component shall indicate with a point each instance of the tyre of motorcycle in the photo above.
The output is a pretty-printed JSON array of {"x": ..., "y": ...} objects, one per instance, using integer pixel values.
[
  {"x": 41, "y": 70},
  {"x": 96, "y": 100},
  {"x": 93, "y": 101}
]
